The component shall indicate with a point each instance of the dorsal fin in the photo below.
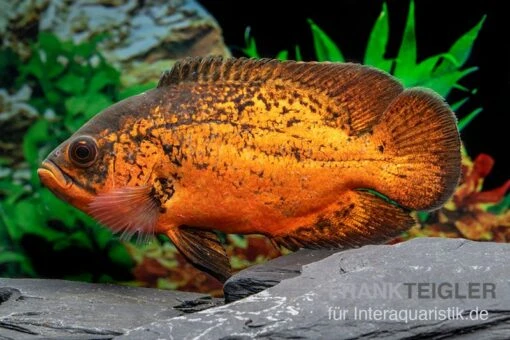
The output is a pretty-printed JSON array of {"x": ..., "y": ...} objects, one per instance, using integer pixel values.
[
  {"x": 210, "y": 69},
  {"x": 359, "y": 93}
]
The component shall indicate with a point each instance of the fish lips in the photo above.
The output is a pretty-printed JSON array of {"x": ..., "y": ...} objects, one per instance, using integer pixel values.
[
  {"x": 63, "y": 186},
  {"x": 53, "y": 177}
]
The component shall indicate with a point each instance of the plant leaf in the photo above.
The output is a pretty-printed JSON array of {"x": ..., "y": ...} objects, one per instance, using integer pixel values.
[
  {"x": 297, "y": 52},
  {"x": 9, "y": 222},
  {"x": 101, "y": 79},
  {"x": 10, "y": 256},
  {"x": 36, "y": 134},
  {"x": 103, "y": 237},
  {"x": 457, "y": 105},
  {"x": 79, "y": 239},
  {"x": 251, "y": 47},
  {"x": 422, "y": 215},
  {"x": 238, "y": 240},
  {"x": 406, "y": 58},
  {"x": 461, "y": 49},
  {"x": 54, "y": 69},
  {"x": 11, "y": 191},
  {"x": 71, "y": 83},
  {"x": 48, "y": 41},
  {"x": 443, "y": 84},
  {"x": 325, "y": 48},
  {"x": 55, "y": 208},
  {"x": 85, "y": 49},
  {"x": 283, "y": 55},
  {"x": 467, "y": 119},
  {"x": 34, "y": 67},
  {"x": 377, "y": 42},
  {"x": 29, "y": 219},
  {"x": 501, "y": 207},
  {"x": 136, "y": 89},
  {"x": 88, "y": 104},
  {"x": 120, "y": 256},
  {"x": 420, "y": 72}
]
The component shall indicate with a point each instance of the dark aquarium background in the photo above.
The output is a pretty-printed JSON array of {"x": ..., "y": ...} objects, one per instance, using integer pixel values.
[{"x": 61, "y": 63}]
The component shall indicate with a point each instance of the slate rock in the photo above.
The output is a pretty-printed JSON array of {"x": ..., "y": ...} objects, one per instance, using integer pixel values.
[
  {"x": 143, "y": 38},
  {"x": 259, "y": 277},
  {"x": 57, "y": 309},
  {"x": 377, "y": 286}
]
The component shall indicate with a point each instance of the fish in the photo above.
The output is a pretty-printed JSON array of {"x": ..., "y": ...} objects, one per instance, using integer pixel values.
[{"x": 309, "y": 154}]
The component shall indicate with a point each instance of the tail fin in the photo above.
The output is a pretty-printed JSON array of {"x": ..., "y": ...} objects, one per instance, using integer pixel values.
[{"x": 421, "y": 132}]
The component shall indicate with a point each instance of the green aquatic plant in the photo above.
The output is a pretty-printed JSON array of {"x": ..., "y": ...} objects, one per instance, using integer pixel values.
[
  {"x": 325, "y": 47},
  {"x": 40, "y": 235},
  {"x": 441, "y": 72}
]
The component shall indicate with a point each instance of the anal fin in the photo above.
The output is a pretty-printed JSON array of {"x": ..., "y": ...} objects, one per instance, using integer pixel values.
[
  {"x": 203, "y": 249},
  {"x": 360, "y": 218}
]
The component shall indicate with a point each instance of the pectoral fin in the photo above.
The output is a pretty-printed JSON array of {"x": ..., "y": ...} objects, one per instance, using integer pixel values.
[
  {"x": 127, "y": 210},
  {"x": 203, "y": 249},
  {"x": 359, "y": 218}
]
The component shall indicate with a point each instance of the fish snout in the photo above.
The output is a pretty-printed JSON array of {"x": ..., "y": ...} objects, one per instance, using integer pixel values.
[{"x": 52, "y": 176}]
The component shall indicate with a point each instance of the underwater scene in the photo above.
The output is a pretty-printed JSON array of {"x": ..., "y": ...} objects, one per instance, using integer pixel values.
[{"x": 63, "y": 62}]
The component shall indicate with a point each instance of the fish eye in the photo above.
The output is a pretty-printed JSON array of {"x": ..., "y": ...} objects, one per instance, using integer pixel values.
[{"x": 83, "y": 151}]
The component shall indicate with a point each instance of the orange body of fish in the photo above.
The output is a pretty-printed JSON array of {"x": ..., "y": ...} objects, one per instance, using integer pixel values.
[{"x": 284, "y": 149}]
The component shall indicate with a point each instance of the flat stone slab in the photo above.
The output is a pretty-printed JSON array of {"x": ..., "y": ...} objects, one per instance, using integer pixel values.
[
  {"x": 260, "y": 277},
  {"x": 428, "y": 288},
  {"x": 57, "y": 309}
]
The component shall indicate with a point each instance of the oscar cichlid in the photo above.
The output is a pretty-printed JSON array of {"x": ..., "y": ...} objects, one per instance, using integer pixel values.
[{"x": 284, "y": 149}]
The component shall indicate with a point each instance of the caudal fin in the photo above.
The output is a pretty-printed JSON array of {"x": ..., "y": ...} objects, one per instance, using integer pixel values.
[{"x": 421, "y": 133}]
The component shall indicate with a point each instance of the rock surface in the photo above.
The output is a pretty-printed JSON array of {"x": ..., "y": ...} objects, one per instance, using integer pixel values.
[
  {"x": 142, "y": 37},
  {"x": 257, "y": 278},
  {"x": 426, "y": 288},
  {"x": 35, "y": 309},
  {"x": 377, "y": 287}
]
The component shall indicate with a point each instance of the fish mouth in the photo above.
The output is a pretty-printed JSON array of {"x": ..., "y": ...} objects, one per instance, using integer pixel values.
[
  {"x": 52, "y": 176},
  {"x": 63, "y": 186}
]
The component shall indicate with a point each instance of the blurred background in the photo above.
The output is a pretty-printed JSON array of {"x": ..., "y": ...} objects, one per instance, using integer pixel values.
[{"x": 63, "y": 62}]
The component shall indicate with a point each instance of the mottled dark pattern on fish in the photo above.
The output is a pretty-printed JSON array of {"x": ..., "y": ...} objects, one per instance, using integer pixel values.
[{"x": 284, "y": 149}]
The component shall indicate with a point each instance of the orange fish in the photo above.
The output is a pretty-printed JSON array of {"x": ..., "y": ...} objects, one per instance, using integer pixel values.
[{"x": 301, "y": 152}]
